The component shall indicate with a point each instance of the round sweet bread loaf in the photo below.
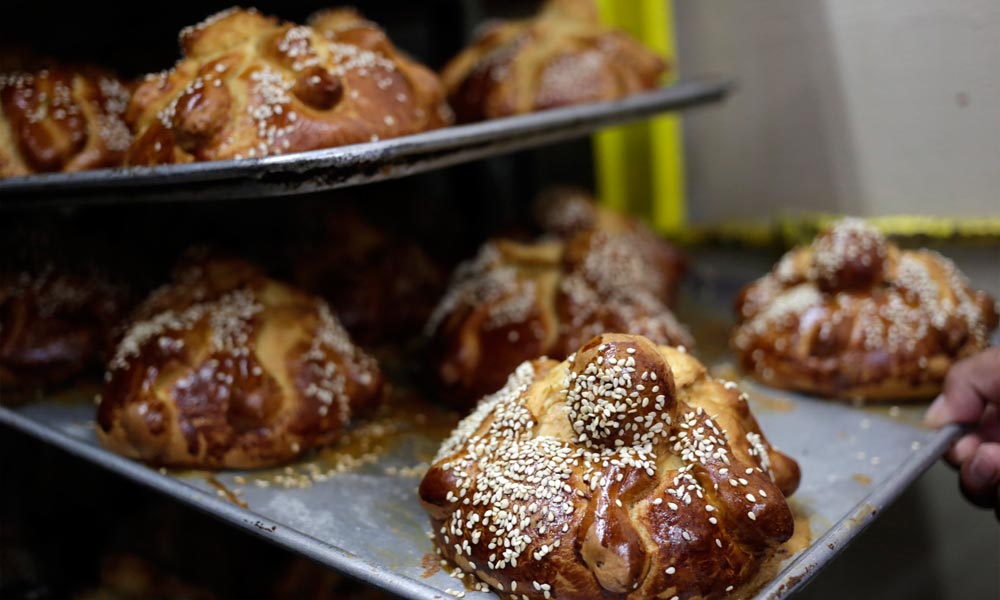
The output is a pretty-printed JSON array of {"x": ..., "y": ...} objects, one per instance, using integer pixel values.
[
  {"x": 225, "y": 368},
  {"x": 251, "y": 86},
  {"x": 625, "y": 471},
  {"x": 60, "y": 117},
  {"x": 561, "y": 57},
  {"x": 517, "y": 301},
  {"x": 853, "y": 316}
]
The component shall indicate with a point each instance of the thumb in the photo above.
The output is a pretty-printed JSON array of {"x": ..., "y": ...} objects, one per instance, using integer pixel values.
[
  {"x": 970, "y": 385},
  {"x": 939, "y": 413}
]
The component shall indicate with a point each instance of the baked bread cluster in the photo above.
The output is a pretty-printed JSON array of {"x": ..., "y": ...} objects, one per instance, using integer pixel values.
[
  {"x": 853, "y": 316},
  {"x": 59, "y": 117},
  {"x": 249, "y": 85},
  {"x": 225, "y": 368},
  {"x": 624, "y": 471},
  {"x": 516, "y": 301},
  {"x": 560, "y": 57}
]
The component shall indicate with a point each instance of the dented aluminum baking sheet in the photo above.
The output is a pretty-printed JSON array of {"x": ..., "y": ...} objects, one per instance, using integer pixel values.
[
  {"x": 355, "y": 508},
  {"x": 346, "y": 166}
]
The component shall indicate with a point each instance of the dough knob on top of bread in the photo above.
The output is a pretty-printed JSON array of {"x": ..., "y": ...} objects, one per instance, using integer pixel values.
[
  {"x": 849, "y": 256},
  {"x": 598, "y": 395}
]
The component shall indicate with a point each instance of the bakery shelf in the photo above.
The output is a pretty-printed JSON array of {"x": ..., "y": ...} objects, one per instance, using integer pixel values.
[
  {"x": 347, "y": 166},
  {"x": 366, "y": 520}
]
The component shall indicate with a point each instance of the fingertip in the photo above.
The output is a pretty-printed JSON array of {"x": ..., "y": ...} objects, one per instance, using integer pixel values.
[
  {"x": 980, "y": 476},
  {"x": 961, "y": 401},
  {"x": 962, "y": 450},
  {"x": 938, "y": 414}
]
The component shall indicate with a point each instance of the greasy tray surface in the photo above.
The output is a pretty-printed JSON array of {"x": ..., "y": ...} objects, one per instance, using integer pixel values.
[
  {"x": 345, "y": 166},
  {"x": 365, "y": 519}
]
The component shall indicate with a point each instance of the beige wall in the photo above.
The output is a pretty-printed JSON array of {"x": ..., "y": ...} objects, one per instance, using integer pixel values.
[{"x": 861, "y": 106}]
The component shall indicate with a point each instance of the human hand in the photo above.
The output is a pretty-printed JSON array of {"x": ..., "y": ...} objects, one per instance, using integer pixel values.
[{"x": 972, "y": 397}]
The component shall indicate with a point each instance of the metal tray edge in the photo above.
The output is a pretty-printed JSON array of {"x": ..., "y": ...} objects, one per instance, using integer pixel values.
[
  {"x": 823, "y": 551},
  {"x": 327, "y": 554},
  {"x": 351, "y": 165}
]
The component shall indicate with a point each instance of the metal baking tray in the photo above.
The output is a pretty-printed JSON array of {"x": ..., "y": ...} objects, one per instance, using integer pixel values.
[
  {"x": 355, "y": 508},
  {"x": 360, "y": 515},
  {"x": 346, "y": 166}
]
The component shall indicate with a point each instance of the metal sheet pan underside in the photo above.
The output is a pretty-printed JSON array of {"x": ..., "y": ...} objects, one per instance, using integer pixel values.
[
  {"x": 346, "y": 166},
  {"x": 361, "y": 516}
]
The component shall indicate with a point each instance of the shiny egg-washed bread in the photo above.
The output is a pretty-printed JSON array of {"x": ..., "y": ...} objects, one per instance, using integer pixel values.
[
  {"x": 567, "y": 211},
  {"x": 560, "y": 57},
  {"x": 59, "y": 117},
  {"x": 853, "y": 316},
  {"x": 225, "y": 368},
  {"x": 625, "y": 471},
  {"x": 251, "y": 86},
  {"x": 517, "y": 301}
]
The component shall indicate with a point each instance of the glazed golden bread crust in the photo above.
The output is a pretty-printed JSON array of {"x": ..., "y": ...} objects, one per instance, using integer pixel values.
[
  {"x": 625, "y": 471},
  {"x": 561, "y": 57},
  {"x": 225, "y": 368},
  {"x": 55, "y": 323},
  {"x": 567, "y": 211},
  {"x": 517, "y": 301},
  {"x": 56, "y": 117},
  {"x": 852, "y": 316},
  {"x": 250, "y": 86}
]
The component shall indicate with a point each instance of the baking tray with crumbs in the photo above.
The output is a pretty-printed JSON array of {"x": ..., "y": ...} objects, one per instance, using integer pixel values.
[
  {"x": 354, "y": 507},
  {"x": 345, "y": 166}
]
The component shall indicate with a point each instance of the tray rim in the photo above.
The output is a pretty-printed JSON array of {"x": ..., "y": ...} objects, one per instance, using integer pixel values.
[
  {"x": 822, "y": 551},
  {"x": 356, "y": 164},
  {"x": 325, "y": 553},
  {"x": 796, "y": 575}
]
